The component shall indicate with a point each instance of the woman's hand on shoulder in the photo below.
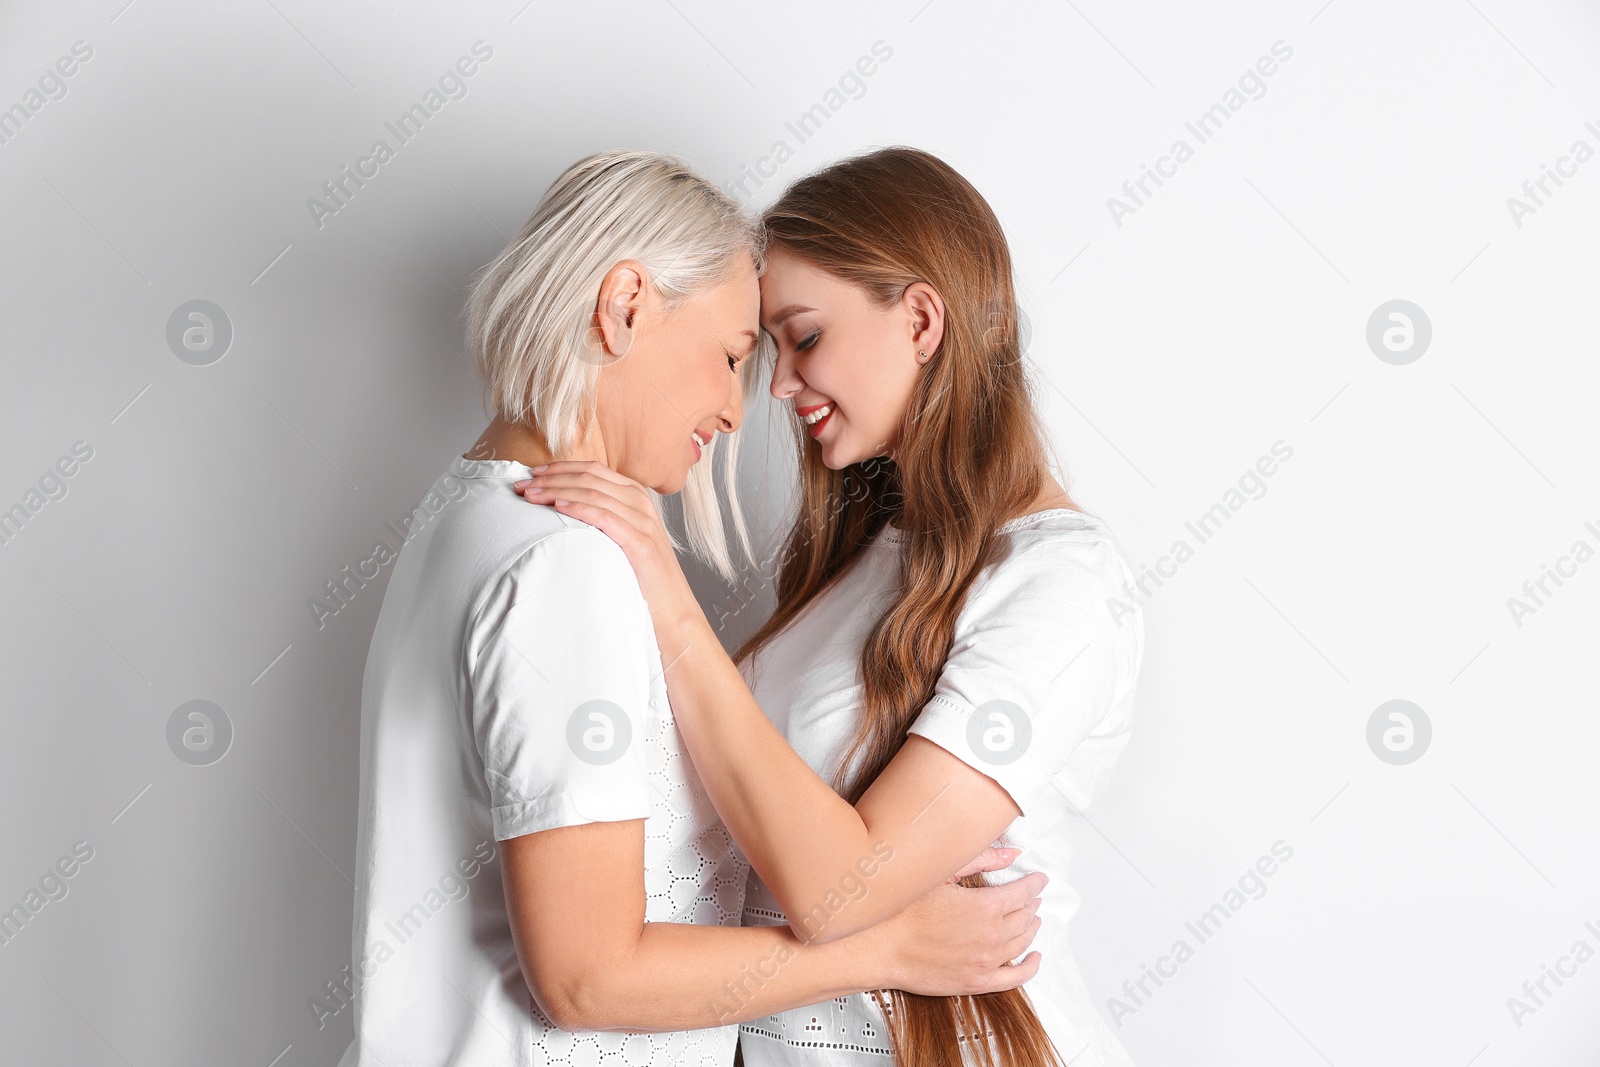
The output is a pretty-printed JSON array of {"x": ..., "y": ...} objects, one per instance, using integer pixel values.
[{"x": 622, "y": 509}]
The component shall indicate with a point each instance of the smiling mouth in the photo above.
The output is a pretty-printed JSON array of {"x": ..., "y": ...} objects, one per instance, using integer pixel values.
[{"x": 816, "y": 420}]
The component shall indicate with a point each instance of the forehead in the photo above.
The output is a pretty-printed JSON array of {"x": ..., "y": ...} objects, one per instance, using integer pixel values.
[
  {"x": 790, "y": 281},
  {"x": 736, "y": 295},
  {"x": 731, "y": 309}
]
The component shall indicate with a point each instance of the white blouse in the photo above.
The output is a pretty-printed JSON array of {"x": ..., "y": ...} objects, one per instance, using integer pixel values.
[
  {"x": 1037, "y": 693},
  {"x": 513, "y": 685}
]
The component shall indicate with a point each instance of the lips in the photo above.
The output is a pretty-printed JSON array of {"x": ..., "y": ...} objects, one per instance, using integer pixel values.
[{"x": 816, "y": 418}]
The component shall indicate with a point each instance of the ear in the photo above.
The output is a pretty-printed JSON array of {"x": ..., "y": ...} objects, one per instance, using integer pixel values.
[
  {"x": 623, "y": 292},
  {"x": 925, "y": 307}
]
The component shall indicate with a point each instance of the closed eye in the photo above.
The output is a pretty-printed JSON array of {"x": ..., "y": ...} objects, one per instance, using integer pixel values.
[{"x": 808, "y": 340}]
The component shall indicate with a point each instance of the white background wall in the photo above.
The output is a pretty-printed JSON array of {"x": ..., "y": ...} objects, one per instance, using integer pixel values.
[{"x": 1225, "y": 314}]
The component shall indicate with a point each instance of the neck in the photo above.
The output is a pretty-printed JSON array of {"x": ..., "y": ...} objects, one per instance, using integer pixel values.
[{"x": 526, "y": 445}]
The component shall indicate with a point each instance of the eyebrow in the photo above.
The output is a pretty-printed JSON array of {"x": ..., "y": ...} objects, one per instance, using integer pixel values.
[
  {"x": 788, "y": 313},
  {"x": 754, "y": 340}
]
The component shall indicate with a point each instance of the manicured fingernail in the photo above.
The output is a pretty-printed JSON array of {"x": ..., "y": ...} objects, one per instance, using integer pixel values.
[
  {"x": 520, "y": 486},
  {"x": 540, "y": 467}
]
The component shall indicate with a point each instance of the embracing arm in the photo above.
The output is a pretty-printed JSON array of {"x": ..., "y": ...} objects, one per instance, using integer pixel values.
[
  {"x": 928, "y": 812},
  {"x": 561, "y": 640},
  {"x": 930, "y": 808},
  {"x": 593, "y": 963}
]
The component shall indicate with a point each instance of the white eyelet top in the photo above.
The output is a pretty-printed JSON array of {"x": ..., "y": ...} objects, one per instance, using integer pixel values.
[{"x": 1036, "y": 640}]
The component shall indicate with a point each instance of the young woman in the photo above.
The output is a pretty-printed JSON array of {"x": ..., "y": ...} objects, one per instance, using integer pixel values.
[
  {"x": 941, "y": 669},
  {"x": 541, "y": 876}
]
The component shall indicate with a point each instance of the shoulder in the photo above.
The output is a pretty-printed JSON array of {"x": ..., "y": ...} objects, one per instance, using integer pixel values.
[
  {"x": 566, "y": 568},
  {"x": 577, "y": 554},
  {"x": 1044, "y": 619},
  {"x": 1067, "y": 554},
  {"x": 570, "y": 541},
  {"x": 1059, "y": 579}
]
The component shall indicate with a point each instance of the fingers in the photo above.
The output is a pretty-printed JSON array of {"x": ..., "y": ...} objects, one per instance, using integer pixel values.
[
  {"x": 1017, "y": 893},
  {"x": 990, "y": 859},
  {"x": 606, "y": 521},
  {"x": 541, "y": 493},
  {"x": 621, "y": 496},
  {"x": 565, "y": 466},
  {"x": 1009, "y": 975},
  {"x": 1015, "y": 946},
  {"x": 589, "y": 466},
  {"x": 590, "y": 506},
  {"x": 587, "y": 471},
  {"x": 581, "y": 492},
  {"x": 562, "y": 479},
  {"x": 1014, "y": 974},
  {"x": 593, "y": 515},
  {"x": 1018, "y": 920}
]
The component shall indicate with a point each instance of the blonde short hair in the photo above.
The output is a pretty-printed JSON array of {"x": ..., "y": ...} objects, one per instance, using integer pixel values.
[{"x": 530, "y": 310}]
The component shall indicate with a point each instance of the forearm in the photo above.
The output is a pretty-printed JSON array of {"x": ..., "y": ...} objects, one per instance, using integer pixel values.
[
  {"x": 805, "y": 841},
  {"x": 684, "y": 977}
]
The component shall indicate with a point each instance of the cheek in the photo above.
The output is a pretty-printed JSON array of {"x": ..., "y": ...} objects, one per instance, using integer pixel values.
[{"x": 867, "y": 393}]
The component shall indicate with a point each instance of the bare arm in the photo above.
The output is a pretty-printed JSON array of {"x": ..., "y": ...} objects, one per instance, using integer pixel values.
[
  {"x": 593, "y": 963},
  {"x": 919, "y": 822},
  {"x": 929, "y": 809}
]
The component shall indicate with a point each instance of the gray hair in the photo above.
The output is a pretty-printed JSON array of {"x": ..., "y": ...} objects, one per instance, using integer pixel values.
[{"x": 530, "y": 311}]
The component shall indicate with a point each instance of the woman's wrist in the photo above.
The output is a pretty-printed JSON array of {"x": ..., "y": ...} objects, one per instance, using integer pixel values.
[
  {"x": 870, "y": 958},
  {"x": 679, "y": 624}
]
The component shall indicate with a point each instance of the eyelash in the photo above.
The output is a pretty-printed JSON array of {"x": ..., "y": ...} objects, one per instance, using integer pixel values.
[
  {"x": 807, "y": 341},
  {"x": 733, "y": 363}
]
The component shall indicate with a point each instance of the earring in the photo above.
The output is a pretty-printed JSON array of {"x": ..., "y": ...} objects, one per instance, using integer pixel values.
[{"x": 922, "y": 357}]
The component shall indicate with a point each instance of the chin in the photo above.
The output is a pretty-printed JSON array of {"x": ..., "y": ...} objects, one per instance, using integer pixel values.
[{"x": 837, "y": 459}]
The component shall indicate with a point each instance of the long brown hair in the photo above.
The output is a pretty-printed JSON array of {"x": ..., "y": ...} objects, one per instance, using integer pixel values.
[{"x": 970, "y": 454}]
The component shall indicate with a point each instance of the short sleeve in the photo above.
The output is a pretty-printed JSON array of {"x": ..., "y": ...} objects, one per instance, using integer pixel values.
[
  {"x": 560, "y": 657},
  {"x": 1041, "y": 671}
]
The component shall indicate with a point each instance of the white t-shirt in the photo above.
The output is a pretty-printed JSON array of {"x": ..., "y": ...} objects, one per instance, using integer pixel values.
[
  {"x": 513, "y": 685},
  {"x": 1037, "y": 693}
]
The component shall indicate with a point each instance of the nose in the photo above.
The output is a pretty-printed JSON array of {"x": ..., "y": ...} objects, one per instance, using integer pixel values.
[
  {"x": 785, "y": 382},
  {"x": 730, "y": 417}
]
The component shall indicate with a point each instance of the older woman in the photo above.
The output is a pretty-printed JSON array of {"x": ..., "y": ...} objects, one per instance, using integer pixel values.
[{"x": 542, "y": 877}]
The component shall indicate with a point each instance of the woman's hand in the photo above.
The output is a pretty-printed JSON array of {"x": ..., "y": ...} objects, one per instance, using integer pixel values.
[
  {"x": 622, "y": 509},
  {"x": 955, "y": 941}
]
